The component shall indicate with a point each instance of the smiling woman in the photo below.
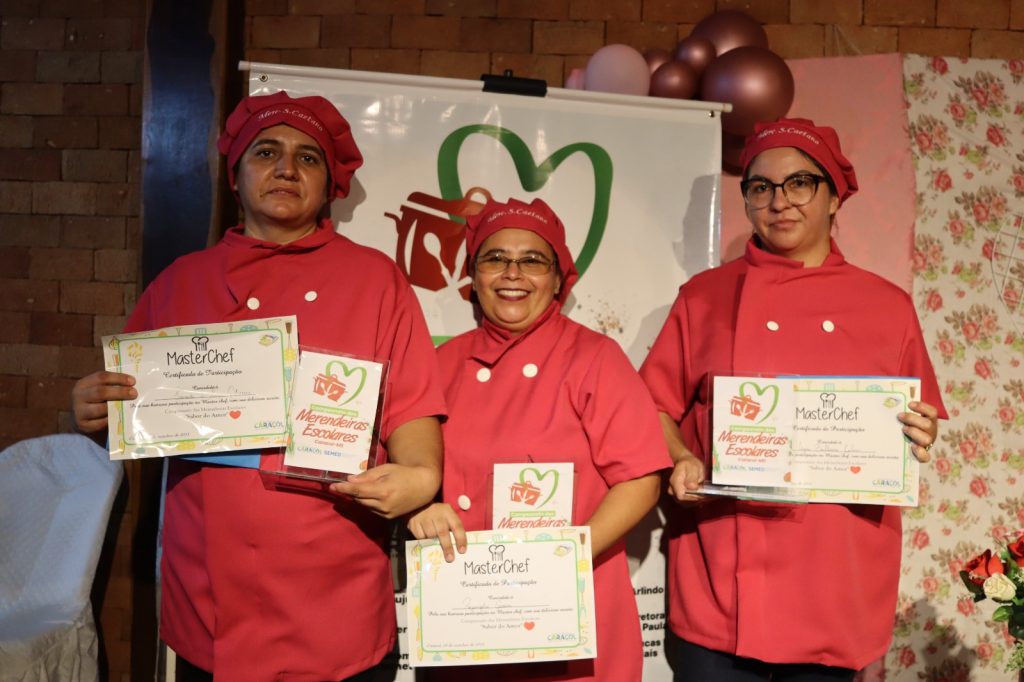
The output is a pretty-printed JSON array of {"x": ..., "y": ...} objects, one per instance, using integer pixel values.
[
  {"x": 531, "y": 385},
  {"x": 515, "y": 278}
]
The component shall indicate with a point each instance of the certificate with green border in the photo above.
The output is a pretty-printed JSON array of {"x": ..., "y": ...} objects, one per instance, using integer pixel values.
[
  {"x": 202, "y": 388},
  {"x": 835, "y": 438},
  {"x": 515, "y": 596}
]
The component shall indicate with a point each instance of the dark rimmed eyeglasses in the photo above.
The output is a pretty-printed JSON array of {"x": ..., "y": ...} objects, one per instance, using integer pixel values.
[
  {"x": 798, "y": 189},
  {"x": 494, "y": 263}
]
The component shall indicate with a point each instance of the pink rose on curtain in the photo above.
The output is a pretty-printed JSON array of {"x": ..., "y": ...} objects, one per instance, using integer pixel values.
[
  {"x": 1011, "y": 296},
  {"x": 943, "y": 466},
  {"x": 979, "y": 487},
  {"x": 942, "y": 181},
  {"x": 980, "y": 212},
  {"x": 986, "y": 249},
  {"x": 907, "y": 657},
  {"x": 939, "y": 65},
  {"x": 957, "y": 111},
  {"x": 934, "y": 300},
  {"x": 995, "y": 136},
  {"x": 980, "y": 96},
  {"x": 920, "y": 539},
  {"x": 1006, "y": 414},
  {"x": 924, "y": 141},
  {"x": 965, "y": 605},
  {"x": 983, "y": 369}
]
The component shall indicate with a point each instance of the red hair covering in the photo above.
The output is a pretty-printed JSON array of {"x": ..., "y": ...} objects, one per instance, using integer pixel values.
[
  {"x": 314, "y": 116},
  {"x": 537, "y": 217},
  {"x": 819, "y": 142}
]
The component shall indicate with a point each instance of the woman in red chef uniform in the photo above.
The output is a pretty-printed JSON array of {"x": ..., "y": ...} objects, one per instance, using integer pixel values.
[
  {"x": 531, "y": 385},
  {"x": 269, "y": 585},
  {"x": 758, "y": 590}
]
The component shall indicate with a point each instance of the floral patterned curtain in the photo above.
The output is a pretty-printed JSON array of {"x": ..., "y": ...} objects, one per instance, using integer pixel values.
[{"x": 966, "y": 124}]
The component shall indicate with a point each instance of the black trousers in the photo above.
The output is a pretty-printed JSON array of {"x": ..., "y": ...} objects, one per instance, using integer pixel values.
[{"x": 693, "y": 663}]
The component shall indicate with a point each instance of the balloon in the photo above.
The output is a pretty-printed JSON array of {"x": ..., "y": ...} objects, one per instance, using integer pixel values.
[
  {"x": 730, "y": 29},
  {"x": 695, "y": 51},
  {"x": 574, "y": 81},
  {"x": 755, "y": 81},
  {"x": 656, "y": 58},
  {"x": 618, "y": 68},
  {"x": 674, "y": 79},
  {"x": 732, "y": 147}
]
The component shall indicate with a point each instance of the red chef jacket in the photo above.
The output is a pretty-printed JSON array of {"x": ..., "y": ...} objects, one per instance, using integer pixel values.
[
  {"x": 270, "y": 585},
  {"x": 811, "y": 583},
  {"x": 558, "y": 393}
]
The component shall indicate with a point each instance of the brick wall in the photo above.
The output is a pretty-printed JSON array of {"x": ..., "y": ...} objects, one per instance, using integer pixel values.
[
  {"x": 70, "y": 100},
  {"x": 548, "y": 38}
]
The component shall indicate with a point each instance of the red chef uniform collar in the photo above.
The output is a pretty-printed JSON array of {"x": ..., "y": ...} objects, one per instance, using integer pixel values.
[
  {"x": 495, "y": 341},
  {"x": 324, "y": 232},
  {"x": 758, "y": 257}
]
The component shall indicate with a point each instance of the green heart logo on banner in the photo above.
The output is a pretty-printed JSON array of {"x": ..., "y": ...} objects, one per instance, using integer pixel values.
[
  {"x": 770, "y": 389},
  {"x": 540, "y": 477},
  {"x": 346, "y": 372},
  {"x": 533, "y": 176}
]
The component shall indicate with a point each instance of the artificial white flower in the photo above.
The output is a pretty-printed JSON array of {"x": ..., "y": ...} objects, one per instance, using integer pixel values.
[{"x": 997, "y": 586}]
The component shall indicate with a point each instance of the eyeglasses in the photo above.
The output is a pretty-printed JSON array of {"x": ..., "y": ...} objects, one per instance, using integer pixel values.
[
  {"x": 494, "y": 263},
  {"x": 798, "y": 189}
]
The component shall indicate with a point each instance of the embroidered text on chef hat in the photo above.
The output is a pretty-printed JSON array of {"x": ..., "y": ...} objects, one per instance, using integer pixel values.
[
  {"x": 821, "y": 143},
  {"x": 536, "y": 217}
]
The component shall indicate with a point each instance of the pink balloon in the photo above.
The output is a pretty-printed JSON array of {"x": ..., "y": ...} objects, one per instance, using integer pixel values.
[
  {"x": 619, "y": 69},
  {"x": 574, "y": 81},
  {"x": 656, "y": 57},
  {"x": 674, "y": 79},
  {"x": 696, "y": 52},
  {"x": 757, "y": 83},
  {"x": 730, "y": 29}
]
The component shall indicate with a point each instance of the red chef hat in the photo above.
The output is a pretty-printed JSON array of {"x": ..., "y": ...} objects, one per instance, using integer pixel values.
[
  {"x": 819, "y": 142},
  {"x": 315, "y": 116}
]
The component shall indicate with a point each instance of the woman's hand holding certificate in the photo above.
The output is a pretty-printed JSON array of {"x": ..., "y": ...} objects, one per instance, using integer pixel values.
[{"x": 202, "y": 388}]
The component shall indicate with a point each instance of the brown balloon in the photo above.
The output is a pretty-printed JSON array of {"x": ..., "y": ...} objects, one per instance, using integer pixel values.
[
  {"x": 757, "y": 83},
  {"x": 696, "y": 52},
  {"x": 656, "y": 57},
  {"x": 732, "y": 148},
  {"x": 730, "y": 29},
  {"x": 674, "y": 79}
]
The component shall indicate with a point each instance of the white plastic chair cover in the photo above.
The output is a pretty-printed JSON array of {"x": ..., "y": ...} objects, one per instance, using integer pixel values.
[{"x": 55, "y": 498}]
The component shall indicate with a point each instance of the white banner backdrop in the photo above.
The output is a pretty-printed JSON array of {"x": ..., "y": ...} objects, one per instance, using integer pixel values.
[{"x": 635, "y": 180}]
